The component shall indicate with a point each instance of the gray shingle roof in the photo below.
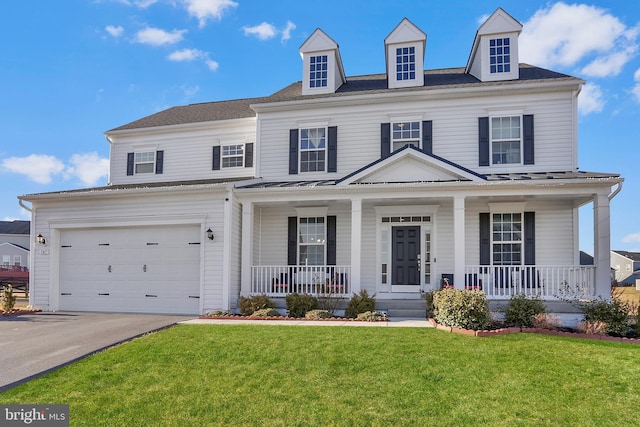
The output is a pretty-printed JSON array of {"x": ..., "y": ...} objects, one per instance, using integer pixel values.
[
  {"x": 15, "y": 227},
  {"x": 634, "y": 256},
  {"x": 356, "y": 85}
]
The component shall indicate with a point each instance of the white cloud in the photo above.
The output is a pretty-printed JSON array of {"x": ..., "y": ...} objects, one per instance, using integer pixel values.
[
  {"x": 636, "y": 89},
  {"x": 37, "y": 167},
  {"x": 158, "y": 37},
  {"x": 563, "y": 35},
  {"x": 204, "y": 10},
  {"x": 190, "y": 91},
  {"x": 591, "y": 99},
  {"x": 89, "y": 168},
  {"x": 213, "y": 65},
  {"x": 143, "y": 4},
  {"x": 262, "y": 31},
  {"x": 114, "y": 31},
  {"x": 631, "y": 238},
  {"x": 186, "y": 55},
  {"x": 286, "y": 33},
  {"x": 266, "y": 31}
]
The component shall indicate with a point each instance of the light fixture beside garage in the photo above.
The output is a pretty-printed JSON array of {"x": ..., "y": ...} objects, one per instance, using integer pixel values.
[
  {"x": 210, "y": 234},
  {"x": 40, "y": 239}
]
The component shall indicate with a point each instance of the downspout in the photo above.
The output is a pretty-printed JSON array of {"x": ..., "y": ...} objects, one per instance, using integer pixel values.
[
  {"x": 23, "y": 206},
  {"x": 616, "y": 191}
]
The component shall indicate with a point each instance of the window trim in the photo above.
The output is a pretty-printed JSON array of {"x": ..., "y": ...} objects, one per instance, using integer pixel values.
[
  {"x": 493, "y": 140},
  {"x": 407, "y": 140},
  {"x": 520, "y": 242},
  {"x": 322, "y": 243},
  {"x": 401, "y": 55},
  {"x": 307, "y": 150},
  {"x": 324, "y": 77},
  {"x": 137, "y": 162},
  {"x": 232, "y": 156},
  {"x": 500, "y": 56}
]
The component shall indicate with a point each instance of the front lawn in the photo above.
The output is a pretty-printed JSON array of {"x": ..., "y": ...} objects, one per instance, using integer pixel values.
[{"x": 209, "y": 375}]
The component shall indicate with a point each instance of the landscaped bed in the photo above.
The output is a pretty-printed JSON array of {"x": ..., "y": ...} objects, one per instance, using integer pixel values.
[{"x": 280, "y": 375}]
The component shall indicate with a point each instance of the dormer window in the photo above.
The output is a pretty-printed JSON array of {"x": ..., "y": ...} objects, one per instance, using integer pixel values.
[
  {"x": 499, "y": 55},
  {"x": 318, "y": 71},
  {"x": 406, "y": 63}
]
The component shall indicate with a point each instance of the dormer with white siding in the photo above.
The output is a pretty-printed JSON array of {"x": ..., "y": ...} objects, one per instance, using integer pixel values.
[
  {"x": 404, "y": 50},
  {"x": 322, "y": 70},
  {"x": 494, "y": 55}
]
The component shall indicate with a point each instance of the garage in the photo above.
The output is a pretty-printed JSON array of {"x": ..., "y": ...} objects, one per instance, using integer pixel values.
[{"x": 138, "y": 270}]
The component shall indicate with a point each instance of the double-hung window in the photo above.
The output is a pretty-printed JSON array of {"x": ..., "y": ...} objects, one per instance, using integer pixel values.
[
  {"x": 313, "y": 148},
  {"x": 506, "y": 238},
  {"x": 499, "y": 55},
  {"x": 506, "y": 140},
  {"x": 406, "y": 63},
  {"x": 311, "y": 241},
  {"x": 232, "y": 156},
  {"x": 6, "y": 260},
  {"x": 405, "y": 133},
  {"x": 145, "y": 162},
  {"x": 318, "y": 71}
]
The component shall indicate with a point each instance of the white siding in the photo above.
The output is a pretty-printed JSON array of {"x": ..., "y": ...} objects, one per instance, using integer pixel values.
[
  {"x": 455, "y": 132},
  {"x": 188, "y": 154}
]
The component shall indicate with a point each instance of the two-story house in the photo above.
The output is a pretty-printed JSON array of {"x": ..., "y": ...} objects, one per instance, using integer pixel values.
[
  {"x": 625, "y": 266},
  {"x": 14, "y": 252},
  {"x": 396, "y": 183}
]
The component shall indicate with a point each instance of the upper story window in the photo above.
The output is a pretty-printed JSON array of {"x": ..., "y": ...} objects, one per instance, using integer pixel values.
[
  {"x": 145, "y": 162},
  {"x": 318, "y": 71},
  {"x": 506, "y": 140},
  {"x": 17, "y": 260},
  {"x": 313, "y": 147},
  {"x": 506, "y": 238},
  {"x": 405, "y": 63},
  {"x": 232, "y": 156},
  {"x": 405, "y": 133},
  {"x": 499, "y": 55},
  {"x": 311, "y": 241},
  {"x": 6, "y": 260}
]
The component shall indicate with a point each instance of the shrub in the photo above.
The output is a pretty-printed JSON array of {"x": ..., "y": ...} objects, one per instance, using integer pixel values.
[
  {"x": 595, "y": 328},
  {"x": 614, "y": 314},
  {"x": 318, "y": 314},
  {"x": 460, "y": 308},
  {"x": 329, "y": 300},
  {"x": 299, "y": 304},
  {"x": 254, "y": 303},
  {"x": 429, "y": 302},
  {"x": 218, "y": 313},
  {"x": 360, "y": 303},
  {"x": 266, "y": 312},
  {"x": 8, "y": 298},
  {"x": 521, "y": 311},
  {"x": 546, "y": 321},
  {"x": 372, "y": 316}
]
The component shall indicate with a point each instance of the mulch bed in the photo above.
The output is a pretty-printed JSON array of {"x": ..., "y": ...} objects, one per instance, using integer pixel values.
[
  {"x": 515, "y": 330},
  {"x": 328, "y": 319},
  {"x": 19, "y": 311}
]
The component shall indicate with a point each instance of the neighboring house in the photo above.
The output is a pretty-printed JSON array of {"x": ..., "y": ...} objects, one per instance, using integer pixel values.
[
  {"x": 626, "y": 266},
  {"x": 390, "y": 183},
  {"x": 14, "y": 252}
]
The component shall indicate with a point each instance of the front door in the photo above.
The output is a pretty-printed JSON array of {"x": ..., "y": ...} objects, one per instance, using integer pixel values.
[{"x": 406, "y": 256}]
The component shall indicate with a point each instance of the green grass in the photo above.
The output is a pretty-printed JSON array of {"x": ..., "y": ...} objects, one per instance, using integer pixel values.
[{"x": 303, "y": 376}]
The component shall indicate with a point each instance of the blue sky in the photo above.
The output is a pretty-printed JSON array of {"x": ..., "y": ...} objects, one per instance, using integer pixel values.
[{"x": 69, "y": 73}]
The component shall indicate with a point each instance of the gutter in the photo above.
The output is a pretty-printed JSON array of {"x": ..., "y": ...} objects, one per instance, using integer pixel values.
[{"x": 616, "y": 191}]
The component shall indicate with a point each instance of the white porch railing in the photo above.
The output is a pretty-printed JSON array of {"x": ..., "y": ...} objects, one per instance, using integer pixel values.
[
  {"x": 544, "y": 281},
  {"x": 278, "y": 281}
]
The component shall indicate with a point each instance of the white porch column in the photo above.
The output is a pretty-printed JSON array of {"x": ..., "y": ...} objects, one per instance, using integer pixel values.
[
  {"x": 602, "y": 245},
  {"x": 247, "y": 248},
  {"x": 356, "y": 243},
  {"x": 458, "y": 242}
]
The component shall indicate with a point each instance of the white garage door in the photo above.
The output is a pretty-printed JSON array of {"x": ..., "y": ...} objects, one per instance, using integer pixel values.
[{"x": 142, "y": 269}]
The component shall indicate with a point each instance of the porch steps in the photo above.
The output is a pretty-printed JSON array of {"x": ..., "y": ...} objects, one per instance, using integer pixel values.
[{"x": 410, "y": 308}]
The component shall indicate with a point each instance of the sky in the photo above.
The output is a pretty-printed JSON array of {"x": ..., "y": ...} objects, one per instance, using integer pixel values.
[{"x": 69, "y": 71}]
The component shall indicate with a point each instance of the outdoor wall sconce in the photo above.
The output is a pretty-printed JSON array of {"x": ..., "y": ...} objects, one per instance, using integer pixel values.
[
  {"x": 210, "y": 234},
  {"x": 40, "y": 239}
]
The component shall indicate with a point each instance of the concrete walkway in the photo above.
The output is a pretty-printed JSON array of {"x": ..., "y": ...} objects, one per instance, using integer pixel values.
[{"x": 393, "y": 323}]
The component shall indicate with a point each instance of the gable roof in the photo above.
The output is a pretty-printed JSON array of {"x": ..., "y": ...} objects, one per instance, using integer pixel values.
[
  {"x": 633, "y": 256},
  {"x": 15, "y": 227},
  {"x": 22, "y": 248},
  {"x": 431, "y": 167}
]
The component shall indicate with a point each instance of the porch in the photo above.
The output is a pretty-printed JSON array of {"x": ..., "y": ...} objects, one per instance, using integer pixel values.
[{"x": 279, "y": 280}]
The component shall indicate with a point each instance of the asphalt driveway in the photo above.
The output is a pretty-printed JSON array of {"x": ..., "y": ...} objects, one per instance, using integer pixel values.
[{"x": 33, "y": 344}]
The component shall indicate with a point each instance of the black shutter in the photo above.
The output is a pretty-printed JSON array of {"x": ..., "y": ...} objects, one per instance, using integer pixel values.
[
  {"x": 529, "y": 238},
  {"x": 248, "y": 155},
  {"x": 385, "y": 140},
  {"x": 159, "y": 161},
  {"x": 331, "y": 240},
  {"x": 483, "y": 141},
  {"x": 427, "y": 136},
  {"x": 216, "y": 158},
  {"x": 293, "y": 151},
  {"x": 332, "y": 154},
  {"x": 292, "y": 247},
  {"x": 527, "y": 139},
  {"x": 130, "y": 163},
  {"x": 485, "y": 239}
]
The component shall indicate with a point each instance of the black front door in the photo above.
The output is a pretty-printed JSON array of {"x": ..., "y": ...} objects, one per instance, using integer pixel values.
[{"x": 406, "y": 251}]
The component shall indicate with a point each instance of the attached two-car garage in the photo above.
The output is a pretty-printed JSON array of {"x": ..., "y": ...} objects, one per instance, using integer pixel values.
[{"x": 154, "y": 269}]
